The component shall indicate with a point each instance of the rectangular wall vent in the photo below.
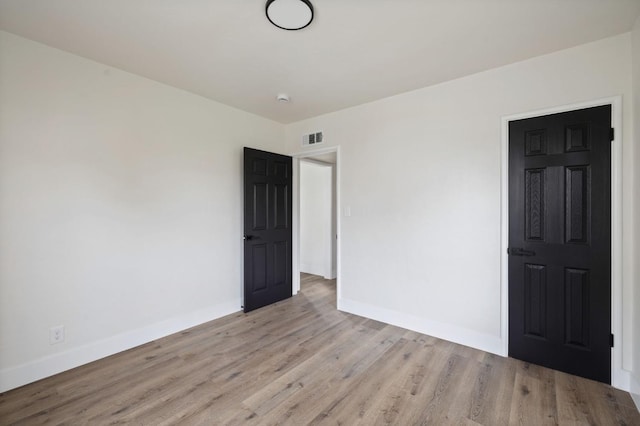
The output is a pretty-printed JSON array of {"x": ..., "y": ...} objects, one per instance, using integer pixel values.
[{"x": 312, "y": 139}]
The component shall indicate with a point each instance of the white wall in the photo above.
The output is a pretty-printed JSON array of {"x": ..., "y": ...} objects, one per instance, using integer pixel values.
[
  {"x": 120, "y": 208},
  {"x": 421, "y": 174},
  {"x": 316, "y": 219},
  {"x": 635, "y": 383}
]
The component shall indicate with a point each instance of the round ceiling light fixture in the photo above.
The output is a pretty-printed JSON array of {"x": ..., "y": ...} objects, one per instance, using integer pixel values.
[{"x": 289, "y": 14}]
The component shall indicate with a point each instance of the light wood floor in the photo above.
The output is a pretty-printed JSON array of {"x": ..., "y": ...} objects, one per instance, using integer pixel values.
[{"x": 302, "y": 362}]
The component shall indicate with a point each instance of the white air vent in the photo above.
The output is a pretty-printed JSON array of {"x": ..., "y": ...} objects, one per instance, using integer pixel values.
[{"x": 312, "y": 139}]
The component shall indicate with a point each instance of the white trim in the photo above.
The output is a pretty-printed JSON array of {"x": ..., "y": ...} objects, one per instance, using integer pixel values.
[
  {"x": 295, "y": 264},
  {"x": 634, "y": 390},
  {"x": 316, "y": 162},
  {"x": 620, "y": 378},
  {"x": 445, "y": 331},
  {"x": 47, "y": 366}
]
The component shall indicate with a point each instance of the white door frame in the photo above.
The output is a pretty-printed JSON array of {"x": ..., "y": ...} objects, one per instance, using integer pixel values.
[
  {"x": 295, "y": 263},
  {"x": 620, "y": 378}
]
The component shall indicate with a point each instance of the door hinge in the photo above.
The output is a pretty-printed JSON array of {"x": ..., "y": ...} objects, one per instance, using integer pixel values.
[
  {"x": 611, "y": 340},
  {"x": 612, "y": 134}
]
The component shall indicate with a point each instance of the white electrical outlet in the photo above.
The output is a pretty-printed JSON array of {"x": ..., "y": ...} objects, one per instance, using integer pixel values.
[{"x": 56, "y": 334}]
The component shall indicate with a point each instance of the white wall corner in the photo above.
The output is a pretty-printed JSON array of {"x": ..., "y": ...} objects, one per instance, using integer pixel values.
[
  {"x": 451, "y": 333},
  {"x": 13, "y": 377}
]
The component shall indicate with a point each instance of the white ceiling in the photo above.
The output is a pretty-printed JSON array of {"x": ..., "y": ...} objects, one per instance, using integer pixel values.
[{"x": 354, "y": 51}]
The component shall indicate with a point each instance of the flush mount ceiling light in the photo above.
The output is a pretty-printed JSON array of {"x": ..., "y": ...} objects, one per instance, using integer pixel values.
[{"x": 289, "y": 14}]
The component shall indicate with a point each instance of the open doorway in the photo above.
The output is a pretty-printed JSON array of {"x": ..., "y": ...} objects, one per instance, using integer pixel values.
[{"x": 316, "y": 220}]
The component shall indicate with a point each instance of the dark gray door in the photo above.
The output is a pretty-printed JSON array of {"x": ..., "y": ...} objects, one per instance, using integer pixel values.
[
  {"x": 560, "y": 241},
  {"x": 267, "y": 228}
]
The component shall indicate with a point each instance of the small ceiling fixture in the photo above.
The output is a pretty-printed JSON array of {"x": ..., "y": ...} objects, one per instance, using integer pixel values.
[
  {"x": 283, "y": 97},
  {"x": 289, "y": 14}
]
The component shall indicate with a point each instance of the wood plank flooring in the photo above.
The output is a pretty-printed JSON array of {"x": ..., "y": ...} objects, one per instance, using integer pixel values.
[{"x": 302, "y": 362}]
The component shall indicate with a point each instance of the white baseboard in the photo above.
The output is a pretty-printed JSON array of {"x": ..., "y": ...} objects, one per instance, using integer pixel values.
[
  {"x": 620, "y": 378},
  {"x": 452, "y": 333},
  {"x": 635, "y": 390},
  {"x": 313, "y": 269},
  {"x": 317, "y": 270},
  {"x": 331, "y": 275},
  {"x": 308, "y": 269},
  {"x": 20, "y": 375}
]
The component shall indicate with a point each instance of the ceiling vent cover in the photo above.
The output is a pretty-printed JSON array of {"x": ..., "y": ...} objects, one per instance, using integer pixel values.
[{"x": 312, "y": 139}]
